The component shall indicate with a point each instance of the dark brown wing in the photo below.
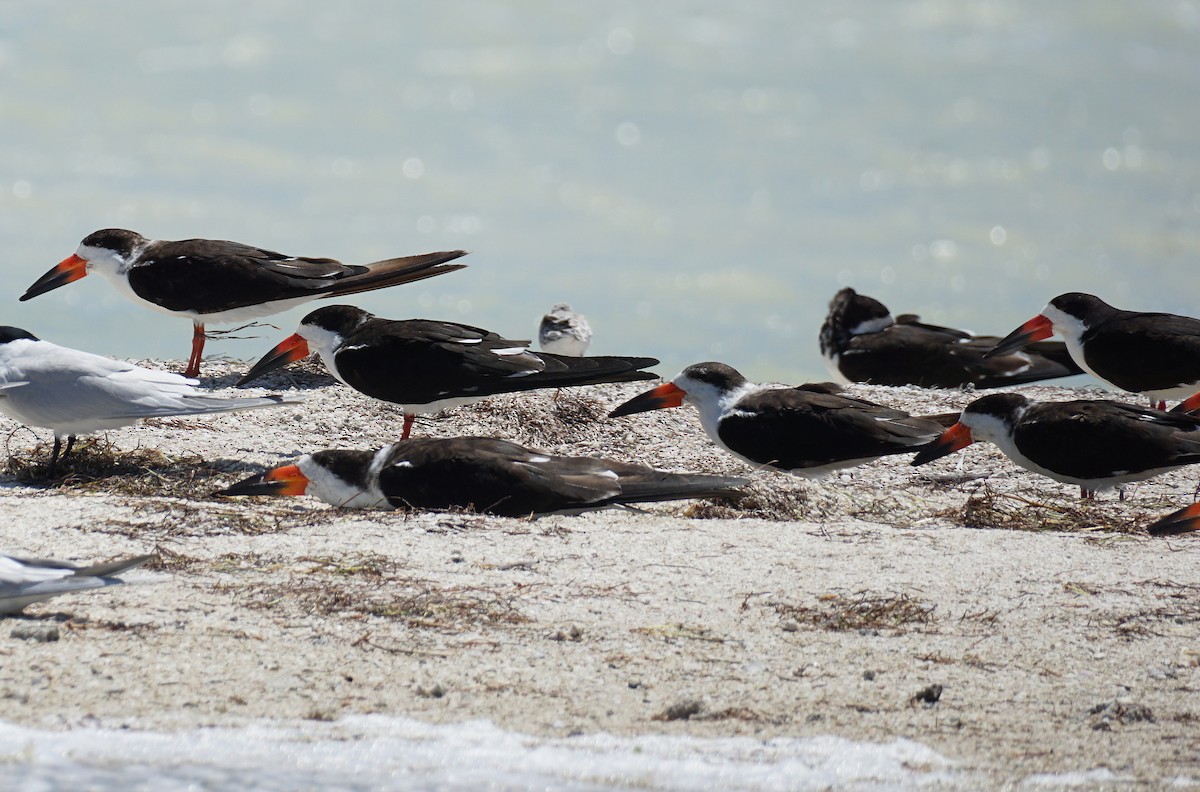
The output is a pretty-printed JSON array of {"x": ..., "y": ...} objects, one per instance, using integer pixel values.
[
  {"x": 1143, "y": 351},
  {"x": 500, "y": 477},
  {"x": 939, "y": 357},
  {"x": 792, "y": 428},
  {"x": 210, "y": 276},
  {"x": 1091, "y": 439}
]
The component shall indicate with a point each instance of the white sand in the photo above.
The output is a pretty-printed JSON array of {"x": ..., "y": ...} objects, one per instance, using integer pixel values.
[{"x": 286, "y": 608}]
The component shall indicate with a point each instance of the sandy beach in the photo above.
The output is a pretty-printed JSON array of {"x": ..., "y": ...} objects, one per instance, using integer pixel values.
[{"x": 966, "y": 605}]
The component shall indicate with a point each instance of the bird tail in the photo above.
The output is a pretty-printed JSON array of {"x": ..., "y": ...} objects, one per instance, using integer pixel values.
[
  {"x": 82, "y": 579},
  {"x": 394, "y": 271},
  {"x": 659, "y": 485},
  {"x": 110, "y": 568},
  {"x": 190, "y": 404},
  {"x": 564, "y": 371}
]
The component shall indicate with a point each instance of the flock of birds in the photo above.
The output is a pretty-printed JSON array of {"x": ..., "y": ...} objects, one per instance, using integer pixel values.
[{"x": 426, "y": 366}]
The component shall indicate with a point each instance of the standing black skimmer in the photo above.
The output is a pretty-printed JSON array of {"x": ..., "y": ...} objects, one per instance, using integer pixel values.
[
  {"x": 24, "y": 581},
  {"x": 478, "y": 473},
  {"x": 216, "y": 282},
  {"x": 425, "y": 366},
  {"x": 1090, "y": 443},
  {"x": 564, "y": 332},
  {"x": 807, "y": 431},
  {"x": 74, "y": 393},
  {"x": 862, "y": 342},
  {"x": 1154, "y": 354}
]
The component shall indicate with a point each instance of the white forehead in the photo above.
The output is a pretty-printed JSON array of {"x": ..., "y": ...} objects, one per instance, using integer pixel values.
[
  {"x": 1063, "y": 322},
  {"x": 321, "y": 340},
  {"x": 985, "y": 426}
]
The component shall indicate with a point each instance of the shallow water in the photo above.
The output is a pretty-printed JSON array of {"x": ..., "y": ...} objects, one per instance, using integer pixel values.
[
  {"x": 376, "y": 752},
  {"x": 698, "y": 178}
]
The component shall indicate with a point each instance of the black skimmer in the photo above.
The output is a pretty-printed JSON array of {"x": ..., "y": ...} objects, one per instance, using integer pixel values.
[
  {"x": 862, "y": 342},
  {"x": 216, "y": 282},
  {"x": 24, "y": 581},
  {"x": 1153, "y": 354},
  {"x": 1090, "y": 443},
  {"x": 564, "y": 332},
  {"x": 425, "y": 366},
  {"x": 74, "y": 392},
  {"x": 1186, "y": 520},
  {"x": 478, "y": 473},
  {"x": 808, "y": 431}
]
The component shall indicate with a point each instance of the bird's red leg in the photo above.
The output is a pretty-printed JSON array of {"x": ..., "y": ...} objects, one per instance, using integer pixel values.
[
  {"x": 408, "y": 422},
  {"x": 1162, "y": 405},
  {"x": 193, "y": 366}
]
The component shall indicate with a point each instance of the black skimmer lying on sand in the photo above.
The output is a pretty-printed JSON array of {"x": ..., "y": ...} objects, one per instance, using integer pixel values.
[
  {"x": 425, "y": 366},
  {"x": 564, "y": 332},
  {"x": 74, "y": 393},
  {"x": 1092, "y": 444},
  {"x": 24, "y": 581},
  {"x": 807, "y": 431},
  {"x": 477, "y": 473},
  {"x": 216, "y": 282},
  {"x": 1153, "y": 354},
  {"x": 862, "y": 342}
]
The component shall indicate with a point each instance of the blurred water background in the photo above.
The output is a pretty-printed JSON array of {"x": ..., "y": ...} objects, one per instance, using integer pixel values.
[{"x": 699, "y": 178}]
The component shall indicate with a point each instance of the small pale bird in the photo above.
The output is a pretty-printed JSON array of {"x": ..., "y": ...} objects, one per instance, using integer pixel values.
[{"x": 564, "y": 332}]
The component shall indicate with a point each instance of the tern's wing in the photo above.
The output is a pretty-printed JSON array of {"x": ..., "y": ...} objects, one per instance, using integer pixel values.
[{"x": 24, "y": 581}]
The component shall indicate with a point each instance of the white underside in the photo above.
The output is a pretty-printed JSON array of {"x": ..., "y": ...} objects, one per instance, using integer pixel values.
[
  {"x": 564, "y": 344},
  {"x": 233, "y": 315}
]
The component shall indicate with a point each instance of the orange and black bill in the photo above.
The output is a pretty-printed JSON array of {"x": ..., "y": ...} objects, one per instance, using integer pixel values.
[
  {"x": 1189, "y": 406},
  {"x": 288, "y": 350},
  {"x": 68, "y": 270},
  {"x": 1036, "y": 329},
  {"x": 1183, "y": 521},
  {"x": 666, "y": 395},
  {"x": 949, "y": 441},
  {"x": 286, "y": 480}
]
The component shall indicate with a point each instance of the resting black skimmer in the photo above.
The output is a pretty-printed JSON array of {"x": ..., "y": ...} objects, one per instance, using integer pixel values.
[
  {"x": 74, "y": 392},
  {"x": 1153, "y": 354},
  {"x": 425, "y": 366},
  {"x": 564, "y": 332},
  {"x": 808, "y": 431},
  {"x": 862, "y": 342},
  {"x": 24, "y": 581},
  {"x": 216, "y": 282},
  {"x": 1090, "y": 443},
  {"x": 478, "y": 473},
  {"x": 1186, "y": 520}
]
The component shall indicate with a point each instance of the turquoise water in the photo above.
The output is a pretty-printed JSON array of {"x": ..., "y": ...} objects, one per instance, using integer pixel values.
[{"x": 698, "y": 178}]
